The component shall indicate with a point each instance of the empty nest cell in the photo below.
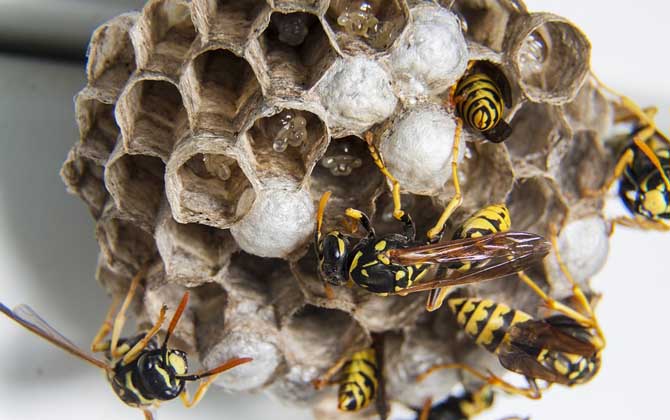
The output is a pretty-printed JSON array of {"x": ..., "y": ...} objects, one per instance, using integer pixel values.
[
  {"x": 111, "y": 58},
  {"x": 485, "y": 20},
  {"x": 534, "y": 204},
  {"x": 285, "y": 145},
  {"x": 98, "y": 132},
  {"x": 231, "y": 20},
  {"x": 126, "y": 247},
  {"x": 136, "y": 184},
  {"x": 164, "y": 36},
  {"x": 550, "y": 55},
  {"x": 536, "y": 128},
  {"x": 341, "y": 169},
  {"x": 193, "y": 254},
  {"x": 366, "y": 25},
  {"x": 295, "y": 62},
  {"x": 205, "y": 183},
  {"x": 152, "y": 118},
  {"x": 225, "y": 91},
  {"x": 84, "y": 177}
]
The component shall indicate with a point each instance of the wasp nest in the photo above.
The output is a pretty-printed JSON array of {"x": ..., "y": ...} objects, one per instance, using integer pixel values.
[{"x": 209, "y": 130}]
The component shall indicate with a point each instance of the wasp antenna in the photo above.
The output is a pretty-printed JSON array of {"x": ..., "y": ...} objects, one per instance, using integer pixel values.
[
  {"x": 175, "y": 318},
  {"x": 219, "y": 369},
  {"x": 319, "y": 214}
]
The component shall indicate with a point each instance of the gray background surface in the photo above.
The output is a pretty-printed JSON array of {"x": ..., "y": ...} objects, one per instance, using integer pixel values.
[{"x": 48, "y": 254}]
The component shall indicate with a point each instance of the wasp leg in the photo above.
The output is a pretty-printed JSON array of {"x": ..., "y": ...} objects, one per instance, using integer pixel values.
[
  {"x": 457, "y": 199},
  {"x": 641, "y": 223},
  {"x": 625, "y": 160},
  {"x": 135, "y": 351},
  {"x": 362, "y": 218},
  {"x": 97, "y": 345},
  {"x": 532, "y": 392},
  {"x": 395, "y": 192},
  {"x": 199, "y": 393},
  {"x": 325, "y": 379},
  {"x": 120, "y": 319},
  {"x": 436, "y": 296},
  {"x": 425, "y": 409}
]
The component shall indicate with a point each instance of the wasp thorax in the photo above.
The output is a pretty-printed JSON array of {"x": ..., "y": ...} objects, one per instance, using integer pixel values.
[{"x": 333, "y": 257}]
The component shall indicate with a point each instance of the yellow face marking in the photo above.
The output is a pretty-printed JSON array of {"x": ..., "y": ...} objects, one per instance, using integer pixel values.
[
  {"x": 354, "y": 262},
  {"x": 654, "y": 202},
  {"x": 380, "y": 246},
  {"x": 178, "y": 363},
  {"x": 340, "y": 246},
  {"x": 479, "y": 314},
  {"x": 164, "y": 374}
]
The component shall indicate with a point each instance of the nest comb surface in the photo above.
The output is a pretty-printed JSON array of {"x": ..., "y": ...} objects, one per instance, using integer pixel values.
[{"x": 209, "y": 130}]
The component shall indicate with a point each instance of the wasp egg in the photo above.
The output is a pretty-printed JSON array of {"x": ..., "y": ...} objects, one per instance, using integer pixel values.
[
  {"x": 279, "y": 221},
  {"x": 357, "y": 94},
  {"x": 432, "y": 55}
]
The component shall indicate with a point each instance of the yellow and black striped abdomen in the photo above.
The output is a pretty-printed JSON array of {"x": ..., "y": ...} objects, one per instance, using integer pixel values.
[
  {"x": 360, "y": 382},
  {"x": 479, "y": 101},
  {"x": 487, "y": 322},
  {"x": 487, "y": 221}
]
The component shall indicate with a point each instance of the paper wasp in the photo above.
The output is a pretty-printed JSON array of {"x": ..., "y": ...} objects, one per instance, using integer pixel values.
[
  {"x": 480, "y": 98},
  {"x": 564, "y": 348},
  {"x": 361, "y": 379},
  {"x": 397, "y": 263},
  {"x": 141, "y": 373},
  {"x": 643, "y": 170}
]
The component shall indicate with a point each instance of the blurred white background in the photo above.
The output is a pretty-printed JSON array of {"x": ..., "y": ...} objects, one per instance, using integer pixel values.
[{"x": 48, "y": 254}]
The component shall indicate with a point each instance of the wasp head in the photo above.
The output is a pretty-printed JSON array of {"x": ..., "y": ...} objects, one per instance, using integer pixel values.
[{"x": 333, "y": 253}]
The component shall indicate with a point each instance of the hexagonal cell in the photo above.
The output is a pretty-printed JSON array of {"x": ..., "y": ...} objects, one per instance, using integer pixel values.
[
  {"x": 590, "y": 110},
  {"x": 163, "y": 36},
  {"x": 204, "y": 182},
  {"x": 98, "y": 131},
  {"x": 155, "y": 297},
  {"x": 111, "y": 58},
  {"x": 193, "y": 254},
  {"x": 233, "y": 20},
  {"x": 486, "y": 177},
  {"x": 345, "y": 164},
  {"x": 536, "y": 128},
  {"x": 315, "y": 338},
  {"x": 366, "y": 25},
  {"x": 486, "y": 20},
  {"x": 292, "y": 65},
  {"x": 286, "y": 143},
  {"x": 125, "y": 246},
  {"x": 534, "y": 204},
  {"x": 84, "y": 177},
  {"x": 579, "y": 164},
  {"x": 224, "y": 90},
  {"x": 152, "y": 117},
  {"x": 229, "y": 327},
  {"x": 135, "y": 183},
  {"x": 550, "y": 56}
]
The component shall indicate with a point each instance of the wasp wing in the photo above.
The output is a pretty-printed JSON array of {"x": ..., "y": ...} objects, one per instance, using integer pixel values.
[
  {"x": 542, "y": 334},
  {"x": 29, "y": 319},
  {"x": 501, "y": 245},
  {"x": 504, "y": 253},
  {"x": 514, "y": 358}
]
